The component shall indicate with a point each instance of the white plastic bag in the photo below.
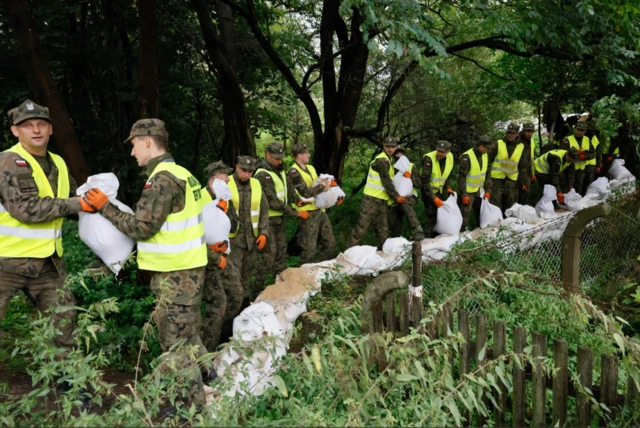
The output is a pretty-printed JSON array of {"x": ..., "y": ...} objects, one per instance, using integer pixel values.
[
  {"x": 99, "y": 234},
  {"x": 216, "y": 224},
  {"x": 221, "y": 190},
  {"x": 449, "y": 219},
  {"x": 572, "y": 201},
  {"x": 403, "y": 185},
  {"x": 403, "y": 164},
  {"x": 256, "y": 321},
  {"x": 396, "y": 246},
  {"x": 523, "y": 212},
  {"x": 365, "y": 257},
  {"x": 619, "y": 172},
  {"x": 490, "y": 215},
  {"x": 545, "y": 205},
  {"x": 600, "y": 188},
  {"x": 330, "y": 197}
]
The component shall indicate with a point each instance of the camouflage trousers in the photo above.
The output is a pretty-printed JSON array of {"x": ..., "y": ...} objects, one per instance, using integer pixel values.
[
  {"x": 472, "y": 206},
  {"x": 372, "y": 210},
  {"x": 396, "y": 213},
  {"x": 223, "y": 295},
  {"x": 578, "y": 181},
  {"x": 315, "y": 235},
  {"x": 178, "y": 317},
  {"x": 504, "y": 193},
  {"x": 274, "y": 256},
  {"x": 45, "y": 292},
  {"x": 523, "y": 195},
  {"x": 589, "y": 177},
  {"x": 245, "y": 261}
]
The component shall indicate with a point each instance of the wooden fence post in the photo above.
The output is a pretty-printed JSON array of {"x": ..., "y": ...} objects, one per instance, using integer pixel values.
[
  {"x": 609, "y": 383},
  {"x": 585, "y": 372},
  {"x": 519, "y": 343},
  {"x": 416, "y": 281},
  {"x": 391, "y": 312},
  {"x": 539, "y": 380},
  {"x": 499, "y": 349},
  {"x": 560, "y": 382},
  {"x": 481, "y": 342}
]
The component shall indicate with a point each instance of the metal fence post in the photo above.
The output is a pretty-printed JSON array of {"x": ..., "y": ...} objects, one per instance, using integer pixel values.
[{"x": 571, "y": 245}]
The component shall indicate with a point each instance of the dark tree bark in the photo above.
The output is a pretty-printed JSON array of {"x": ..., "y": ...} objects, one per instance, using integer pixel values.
[
  {"x": 45, "y": 89},
  {"x": 149, "y": 93},
  {"x": 238, "y": 136}
]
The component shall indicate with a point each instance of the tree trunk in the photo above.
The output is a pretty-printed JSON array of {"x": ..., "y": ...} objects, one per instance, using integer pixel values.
[
  {"x": 238, "y": 136},
  {"x": 46, "y": 91},
  {"x": 148, "y": 24}
]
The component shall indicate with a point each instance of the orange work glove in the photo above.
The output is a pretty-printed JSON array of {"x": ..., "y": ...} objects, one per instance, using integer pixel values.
[
  {"x": 303, "y": 214},
  {"x": 333, "y": 183},
  {"x": 466, "y": 200},
  {"x": 223, "y": 262},
  {"x": 302, "y": 203},
  {"x": 407, "y": 174},
  {"x": 450, "y": 191},
  {"x": 340, "y": 200},
  {"x": 96, "y": 198},
  {"x": 261, "y": 241},
  {"x": 582, "y": 156},
  {"x": 219, "y": 247},
  {"x": 223, "y": 205},
  {"x": 400, "y": 200},
  {"x": 599, "y": 168},
  {"x": 86, "y": 208},
  {"x": 609, "y": 158},
  {"x": 533, "y": 179},
  {"x": 560, "y": 198},
  {"x": 524, "y": 188},
  {"x": 487, "y": 195},
  {"x": 438, "y": 202}
]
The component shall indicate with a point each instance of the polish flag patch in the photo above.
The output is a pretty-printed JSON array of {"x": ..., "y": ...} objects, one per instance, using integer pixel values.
[
  {"x": 147, "y": 185},
  {"x": 21, "y": 162}
]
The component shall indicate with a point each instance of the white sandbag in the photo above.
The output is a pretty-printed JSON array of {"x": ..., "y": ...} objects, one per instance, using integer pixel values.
[
  {"x": 396, "y": 246},
  {"x": 600, "y": 188},
  {"x": 403, "y": 164},
  {"x": 99, "y": 234},
  {"x": 449, "y": 220},
  {"x": 572, "y": 201},
  {"x": 365, "y": 257},
  {"x": 329, "y": 198},
  {"x": 523, "y": 212},
  {"x": 619, "y": 172},
  {"x": 490, "y": 215},
  {"x": 545, "y": 205},
  {"x": 216, "y": 224},
  {"x": 402, "y": 184},
  {"x": 221, "y": 190},
  {"x": 256, "y": 321}
]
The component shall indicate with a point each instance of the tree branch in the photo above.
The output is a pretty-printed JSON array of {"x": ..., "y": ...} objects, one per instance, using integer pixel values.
[{"x": 482, "y": 67}]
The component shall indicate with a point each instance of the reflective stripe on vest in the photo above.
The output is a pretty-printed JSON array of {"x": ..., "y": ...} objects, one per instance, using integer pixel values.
[
  {"x": 309, "y": 178},
  {"x": 505, "y": 166},
  {"x": 256, "y": 198},
  {"x": 542, "y": 163},
  {"x": 573, "y": 142},
  {"x": 374, "y": 187},
  {"x": 438, "y": 178},
  {"x": 594, "y": 143},
  {"x": 476, "y": 176},
  {"x": 37, "y": 240},
  {"x": 280, "y": 182},
  {"x": 180, "y": 242}
]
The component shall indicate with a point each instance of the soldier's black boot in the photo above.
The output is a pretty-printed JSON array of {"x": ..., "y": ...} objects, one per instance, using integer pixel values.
[{"x": 83, "y": 394}]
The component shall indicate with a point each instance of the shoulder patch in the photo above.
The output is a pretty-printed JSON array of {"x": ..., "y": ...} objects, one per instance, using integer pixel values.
[
  {"x": 268, "y": 177},
  {"x": 148, "y": 184},
  {"x": 293, "y": 171},
  {"x": 21, "y": 162}
]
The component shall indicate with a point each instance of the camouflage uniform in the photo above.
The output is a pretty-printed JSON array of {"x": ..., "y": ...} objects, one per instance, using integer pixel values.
[
  {"x": 316, "y": 231},
  {"x": 244, "y": 249},
  {"x": 274, "y": 256},
  {"x": 178, "y": 293},
  {"x": 474, "y": 197},
  {"x": 397, "y": 212},
  {"x": 527, "y": 160},
  {"x": 561, "y": 181},
  {"x": 41, "y": 279},
  {"x": 504, "y": 192},
  {"x": 428, "y": 195},
  {"x": 581, "y": 176}
]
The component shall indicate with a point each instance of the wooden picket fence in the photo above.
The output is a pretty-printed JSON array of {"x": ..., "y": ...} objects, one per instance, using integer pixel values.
[{"x": 470, "y": 354}]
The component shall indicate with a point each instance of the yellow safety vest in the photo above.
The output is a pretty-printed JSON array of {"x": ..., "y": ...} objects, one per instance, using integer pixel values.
[
  {"x": 180, "y": 242},
  {"x": 573, "y": 142},
  {"x": 476, "y": 176},
  {"x": 374, "y": 187},
  {"x": 542, "y": 164},
  {"x": 438, "y": 178},
  {"x": 505, "y": 166},
  {"x": 606, "y": 145},
  {"x": 414, "y": 191},
  {"x": 309, "y": 178},
  {"x": 280, "y": 181},
  {"x": 595, "y": 143},
  {"x": 256, "y": 198},
  {"x": 36, "y": 240}
]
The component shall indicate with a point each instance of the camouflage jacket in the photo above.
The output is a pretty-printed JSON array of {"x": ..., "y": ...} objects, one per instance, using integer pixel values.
[
  {"x": 245, "y": 238},
  {"x": 555, "y": 163},
  {"x": 297, "y": 183},
  {"x": 526, "y": 154},
  {"x": 463, "y": 170},
  {"x": 269, "y": 190},
  {"x": 427, "y": 191},
  {"x": 381, "y": 166},
  {"x": 19, "y": 196}
]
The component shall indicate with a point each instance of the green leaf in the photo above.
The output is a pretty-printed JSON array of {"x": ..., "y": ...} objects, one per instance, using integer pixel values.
[
  {"x": 454, "y": 411},
  {"x": 405, "y": 377},
  {"x": 281, "y": 386},
  {"x": 619, "y": 341}
]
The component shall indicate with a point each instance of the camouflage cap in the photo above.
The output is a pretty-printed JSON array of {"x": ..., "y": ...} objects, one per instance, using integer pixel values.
[
  {"x": 148, "y": 127},
  {"x": 443, "y": 146},
  {"x": 390, "y": 142},
  {"x": 217, "y": 167},
  {"x": 528, "y": 126},
  {"x": 299, "y": 149},
  {"x": 276, "y": 150},
  {"x": 513, "y": 128},
  {"x": 28, "y": 110},
  {"x": 486, "y": 141},
  {"x": 400, "y": 149},
  {"x": 581, "y": 126},
  {"x": 573, "y": 153},
  {"x": 247, "y": 162}
]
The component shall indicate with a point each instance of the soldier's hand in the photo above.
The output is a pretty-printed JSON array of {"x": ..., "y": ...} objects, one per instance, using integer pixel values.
[
  {"x": 220, "y": 247},
  {"x": 340, "y": 200},
  {"x": 560, "y": 198},
  {"x": 609, "y": 158},
  {"x": 302, "y": 203},
  {"x": 333, "y": 183},
  {"x": 524, "y": 188},
  {"x": 487, "y": 195},
  {"x": 466, "y": 200},
  {"x": 599, "y": 168},
  {"x": 438, "y": 202},
  {"x": 223, "y": 262},
  {"x": 450, "y": 191},
  {"x": 261, "y": 242},
  {"x": 85, "y": 207},
  {"x": 400, "y": 200},
  {"x": 533, "y": 179},
  {"x": 303, "y": 215},
  {"x": 223, "y": 205},
  {"x": 407, "y": 174},
  {"x": 96, "y": 198}
]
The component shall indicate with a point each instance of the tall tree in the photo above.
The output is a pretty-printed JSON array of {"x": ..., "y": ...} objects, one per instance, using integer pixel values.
[
  {"x": 45, "y": 89},
  {"x": 148, "y": 24}
]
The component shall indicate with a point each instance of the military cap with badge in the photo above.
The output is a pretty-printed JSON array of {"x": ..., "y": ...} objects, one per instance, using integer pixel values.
[{"x": 28, "y": 110}]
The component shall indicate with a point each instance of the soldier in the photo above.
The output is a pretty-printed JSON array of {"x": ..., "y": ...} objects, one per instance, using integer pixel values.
[
  {"x": 398, "y": 211},
  {"x": 593, "y": 166},
  {"x": 167, "y": 224},
  {"x": 587, "y": 152},
  {"x": 316, "y": 231},
  {"x": 35, "y": 197},
  {"x": 223, "y": 289},
  {"x": 253, "y": 212},
  {"x": 507, "y": 170},
  {"x": 473, "y": 171},
  {"x": 436, "y": 169},
  {"x": 273, "y": 179},
  {"x": 527, "y": 157},
  {"x": 610, "y": 150},
  {"x": 553, "y": 164},
  {"x": 378, "y": 190}
]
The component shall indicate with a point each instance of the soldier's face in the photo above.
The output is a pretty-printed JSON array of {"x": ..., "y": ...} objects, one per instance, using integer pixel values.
[
  {"x": 304, "y": 158},
  {"x": 440, "y": 154},
  {"x": 527, "y": 134},
  {"x": 579, "y": 132},
  {"x": 243, "y": 174},
  {"x": 141, "y": 150},
  {"x": 33, "y": 134},
  {"x": 273, "y": 161},
  {"x": 511, "y": 136},
  {"x": 483, "y": 149},
  {"x": 221, "y": 176},
  {"x": 389, "y": 150}
]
